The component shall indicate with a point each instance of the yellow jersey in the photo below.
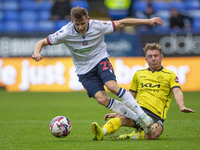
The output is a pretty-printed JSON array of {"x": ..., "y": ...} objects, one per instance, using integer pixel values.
[{"x": 154, "y": 89}]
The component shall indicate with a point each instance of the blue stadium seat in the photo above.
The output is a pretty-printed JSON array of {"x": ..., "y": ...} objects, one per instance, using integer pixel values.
[
  {"x": 60, "y": 23},
  {"x": 81, "y": 3},
  {"x": 12, "y": 26},
  {"x": 46, "y": 26},
  {"x": 29, "y": 15},
  {"x": 180, "y": 6},
  {"x": 2, "y": 27},
  {"x": 9, "y": 0},
  {"x": 139, "y": 14},
  {"x": 44, "y": 15},
  {"x": 192, "y": 5},
  {"x": 1, "y": 15},
  {"x": 11, "y": 15},
  {"x": 139, "y": 6},
  {"x": 194, "y": 13},
  {"x": 44, "y": 5},
  {"x": 27, "y": 0},
  {"x": 190, "y": 0},
  {"x": 29, "y": 26},
  {"x": 160, "y": 6},
  {"x": 117, "y": 14},
  {"x": 164, "y": 14},
  {"x": 10, "y": 5},
  {"x": 1, "y": 6},
  {"x": 28, "y": 5},
  {"x": 196, "y": 24}
]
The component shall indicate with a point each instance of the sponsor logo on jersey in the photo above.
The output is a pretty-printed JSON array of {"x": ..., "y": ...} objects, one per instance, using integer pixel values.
[
  {"x": 85, "y": 50},
  {"x": 177, "y": 80},
  {"x": 150, "y": 85},
  {"x": 160, "y": 78},
  {"x": 84, "y": 43}
]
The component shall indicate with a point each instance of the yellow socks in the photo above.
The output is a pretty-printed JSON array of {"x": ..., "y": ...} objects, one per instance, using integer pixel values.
[{"x": 112, "y": 126}]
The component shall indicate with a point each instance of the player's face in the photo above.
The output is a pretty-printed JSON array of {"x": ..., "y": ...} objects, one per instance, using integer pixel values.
[
  {"x": 154, "y": 59},
  {"x": 81, "y": 25}
]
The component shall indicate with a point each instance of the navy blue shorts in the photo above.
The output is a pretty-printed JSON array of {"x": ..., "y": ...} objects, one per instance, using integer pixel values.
[{"x": 94, "y": 80}]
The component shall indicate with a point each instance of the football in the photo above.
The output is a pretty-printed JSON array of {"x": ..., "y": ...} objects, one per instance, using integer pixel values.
[{"x": 60, "y": 126}]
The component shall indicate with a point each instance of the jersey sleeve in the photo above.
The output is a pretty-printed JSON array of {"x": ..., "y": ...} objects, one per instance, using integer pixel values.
[
  {"x": 107, "y": 26},
  {"x": 134, "y": 84},
  {"x": 57, "y": 37},
  {"x": 174, "y": 81}
]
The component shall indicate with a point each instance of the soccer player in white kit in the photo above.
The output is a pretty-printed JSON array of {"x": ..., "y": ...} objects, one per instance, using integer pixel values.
[{"x": 85, "y": 40}]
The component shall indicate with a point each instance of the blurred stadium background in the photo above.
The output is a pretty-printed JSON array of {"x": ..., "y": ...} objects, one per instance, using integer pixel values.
[{"x": 24, "y": 22}]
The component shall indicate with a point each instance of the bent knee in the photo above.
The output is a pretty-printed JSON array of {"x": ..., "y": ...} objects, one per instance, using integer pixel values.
[
  {"x": 103, "y": 101},
  {"x": 102, "y": 98},
  {"x": 112, "y": 86},
  {"x": 156, "y": 131}
]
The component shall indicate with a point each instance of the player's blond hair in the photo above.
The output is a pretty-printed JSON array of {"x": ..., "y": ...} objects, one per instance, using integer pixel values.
[
  {"x": 152, "y": 46},
  {"x": 78, "y": 13}
]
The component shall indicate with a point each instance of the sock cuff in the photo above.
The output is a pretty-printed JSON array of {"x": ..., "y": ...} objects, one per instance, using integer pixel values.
[
  {"x": 118, "y": 121},
  {"x": 112, "y": 126},
  {"x": 110, "y": 103},
  {"x": 121, "y": 92}
]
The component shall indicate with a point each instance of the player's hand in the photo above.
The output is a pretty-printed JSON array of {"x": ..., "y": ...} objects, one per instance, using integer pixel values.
[
  {"x": 37, "y": 56},
  {"x": 111, "y": 115},
  {"x": 186, "y": 110},
  {"x": 155, "y": 21}
]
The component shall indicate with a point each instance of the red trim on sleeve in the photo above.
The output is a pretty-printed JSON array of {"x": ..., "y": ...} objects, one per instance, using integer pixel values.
[
  {"x": 114, "y": 28},
  {"x": 48, "y": 41}
]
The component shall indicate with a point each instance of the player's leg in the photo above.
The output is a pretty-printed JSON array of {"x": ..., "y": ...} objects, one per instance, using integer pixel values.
[
  {"x": 126, "y": 97},
  {"x": 114, "y": 124},
  {"x": 107, "y": 75},
  {"x": 156, "y": 131},
  {"x": 110, "y": 127},
  {"x": 94, "y": 87},
  {"x": 115, "y": 106}
]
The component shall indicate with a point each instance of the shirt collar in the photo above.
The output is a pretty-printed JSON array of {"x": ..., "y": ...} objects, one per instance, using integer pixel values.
[{"x": 156, "y": 70}]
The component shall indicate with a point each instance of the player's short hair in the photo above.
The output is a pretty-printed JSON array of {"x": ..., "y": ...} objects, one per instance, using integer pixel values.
[
  {"x": 152, "y": 46},
  {"x": 78, "y": 13}
]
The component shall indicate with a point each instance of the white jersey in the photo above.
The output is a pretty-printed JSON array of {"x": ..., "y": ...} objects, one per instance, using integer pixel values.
[{"x": 87, "y": 50}]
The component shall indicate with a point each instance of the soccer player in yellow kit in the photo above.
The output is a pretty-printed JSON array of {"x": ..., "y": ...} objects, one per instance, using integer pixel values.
[{"x": 152, "y": 88}]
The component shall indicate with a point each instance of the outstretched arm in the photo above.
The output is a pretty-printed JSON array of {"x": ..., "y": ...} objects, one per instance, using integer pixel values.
[
  {"x": 38, "y": 47},
  {"x": 178, "y": 95},
  {"x": 133, "y": 21}
]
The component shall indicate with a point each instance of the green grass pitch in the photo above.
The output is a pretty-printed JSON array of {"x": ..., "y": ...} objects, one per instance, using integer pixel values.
[{"x": 25, "y": 118}]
